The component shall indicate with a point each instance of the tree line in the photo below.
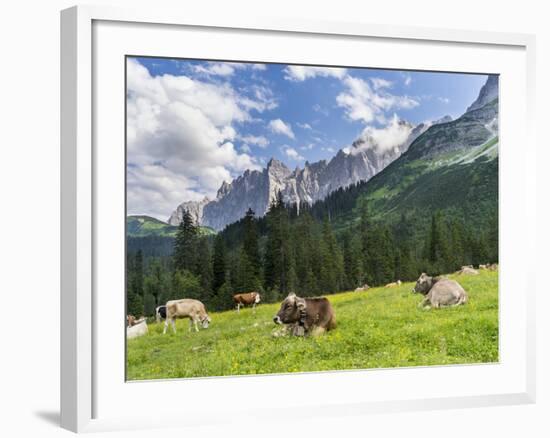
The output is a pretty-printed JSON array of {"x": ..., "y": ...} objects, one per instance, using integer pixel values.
[{"x": 291, "y": 250}]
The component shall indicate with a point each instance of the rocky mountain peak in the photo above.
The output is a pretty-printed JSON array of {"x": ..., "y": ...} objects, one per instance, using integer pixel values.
[
  {"x": 488, "y": 93},
  {"x": 223, "y": 190},
  {"x": 273, "y": 163}
]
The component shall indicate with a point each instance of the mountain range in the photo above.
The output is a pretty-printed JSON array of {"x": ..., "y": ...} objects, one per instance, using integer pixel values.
[
  {"x": 447, "y": 164},
  {"x": 256, "y": 189}
]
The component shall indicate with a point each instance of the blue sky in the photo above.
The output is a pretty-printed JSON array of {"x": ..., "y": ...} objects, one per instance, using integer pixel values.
[{"x": 192, "y": 124}]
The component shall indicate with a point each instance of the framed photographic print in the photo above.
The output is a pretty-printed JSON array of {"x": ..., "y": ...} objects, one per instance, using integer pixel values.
[{"x": 252, "y": 207}]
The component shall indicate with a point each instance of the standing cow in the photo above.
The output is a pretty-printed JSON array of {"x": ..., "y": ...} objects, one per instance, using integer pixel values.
[
  {"x": 186, "y": 308},
  {"x": 439, "y": 291},
  {"x": 247, "y": 299},
  {"x": 160, "y": 313},
  {"x": 306, "y": 315}
]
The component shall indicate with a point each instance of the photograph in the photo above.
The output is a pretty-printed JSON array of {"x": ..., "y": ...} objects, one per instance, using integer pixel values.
[{"x": 291, "y": 218}]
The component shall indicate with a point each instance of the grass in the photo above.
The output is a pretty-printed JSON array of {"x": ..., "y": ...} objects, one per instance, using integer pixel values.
[{"x": 378, "y": 328}]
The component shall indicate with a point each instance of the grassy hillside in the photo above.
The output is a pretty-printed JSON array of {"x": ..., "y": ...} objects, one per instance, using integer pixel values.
[
  {"x": 144, "y": 226},
  {"x": 378, "y": 328}
]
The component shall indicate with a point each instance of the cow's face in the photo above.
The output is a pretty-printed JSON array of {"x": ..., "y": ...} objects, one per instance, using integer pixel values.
[
  {"x": 206, "y": 322},
  {"x": 257, "y": 298},
  {"x": 289, "y": 312},
  {"x": 423, "y": 284}
]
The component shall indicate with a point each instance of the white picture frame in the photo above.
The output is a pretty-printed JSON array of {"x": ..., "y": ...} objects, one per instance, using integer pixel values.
[{"x": 84, "y": 177}]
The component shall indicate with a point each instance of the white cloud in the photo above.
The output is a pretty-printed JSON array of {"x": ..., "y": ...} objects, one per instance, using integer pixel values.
[
  {"x": 245, "y": 148},
  {"x": 277, "y": 126},
  {"x": 299, "y": 73},
  {"x": 363, "y": 103},
  {"x": 259, "y": 141},
  {"x": 444, "y": 99},
  {"x": 328, "y": 149},
  {"x": 378, "y": 83},
  {"x": 408, "y": 79},
  {"x": 307, "y": 147},
  {"x": 395, "y": 133},
  {"x": 292, "y": 153},
  {"x": 224, "y": 68},
  {"x": 318, "y": 108},
  {"x": 305, "y": 126},
  {"x": 215, "y": 68},
  {"x": 262, "y": 98},
  {"x": 180, "y": 134}
]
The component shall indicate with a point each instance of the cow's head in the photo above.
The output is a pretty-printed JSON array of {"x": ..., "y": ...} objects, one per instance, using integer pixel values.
[
  {"x": 205, "y": 321},
  {"x": 291, "y": 310},
  {"x": 257, "y": 298},
  {"x": 130, "y": 320},
  {"x": 423, "y": 284}
]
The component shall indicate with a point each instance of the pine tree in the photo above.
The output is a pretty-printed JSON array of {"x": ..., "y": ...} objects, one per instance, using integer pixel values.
[
  {"x": 246, "y": 279},
  {"x": 219, "y": 263},
  {"x": 277, "y": 255},
  {"x": 438, "y": 254},
  {"x": 332, "y": 272},
  {"x": 364, "y": 236},
  {"x": 204, "y": 267},
  {"x": 353, "y": 262},
  {"x": 492, "y": 239},
  {"x": 185, "y": 285},
  {"x": 457, "y": 239},
  {"x": 250, "y": 242},
  {"x": 135, "y": 283},
  {"x": 185, "y": 244}
]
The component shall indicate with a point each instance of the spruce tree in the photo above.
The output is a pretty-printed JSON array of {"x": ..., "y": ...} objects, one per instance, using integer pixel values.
[
  {"x": 277, "y": 254},
  {"x": 219, "y": 263},
  {"x": 185, "y": 245},
  {"x": 204, "y": 267},
  {"x": 250, "y": 242},
  {"x": 353, "y": 262}
]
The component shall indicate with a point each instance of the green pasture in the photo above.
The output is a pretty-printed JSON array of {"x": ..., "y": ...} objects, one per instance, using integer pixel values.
[{"x": 379, "y": 328}]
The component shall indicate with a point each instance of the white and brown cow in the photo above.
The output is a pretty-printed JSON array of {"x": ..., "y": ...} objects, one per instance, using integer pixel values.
[
  {"x": 439, "y": 291},
  {"x": 186, "y": 308},
  {"x": 131, "y": 320},
  {"x": 138, "y": 329},
  {"x": 160, "y": 313},
  {"x": 250, "y": 298}
]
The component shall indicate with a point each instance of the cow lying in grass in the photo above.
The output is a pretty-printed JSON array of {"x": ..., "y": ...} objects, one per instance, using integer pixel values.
[
  {"x": 138, "y": 329},
  {"x": 439, "y": 292},
  {"x": 306, "y": 316},
  {"x": 131, "y": 320},
  {"x": 467, "y": 270},
  {"x": 186, "y": 308},
  {"x": 394, "y": 284},
  {"x": 247, "y": 299}
]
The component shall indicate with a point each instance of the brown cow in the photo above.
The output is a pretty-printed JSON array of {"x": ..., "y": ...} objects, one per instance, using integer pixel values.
[
  {"x": 306, "y": 315},
  {"x": 186, "y": 308},
  {"x": 247, "y": 299}
]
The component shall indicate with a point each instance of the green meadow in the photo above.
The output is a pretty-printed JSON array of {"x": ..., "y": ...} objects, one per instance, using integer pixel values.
[{"x": 378, "y": 328}]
